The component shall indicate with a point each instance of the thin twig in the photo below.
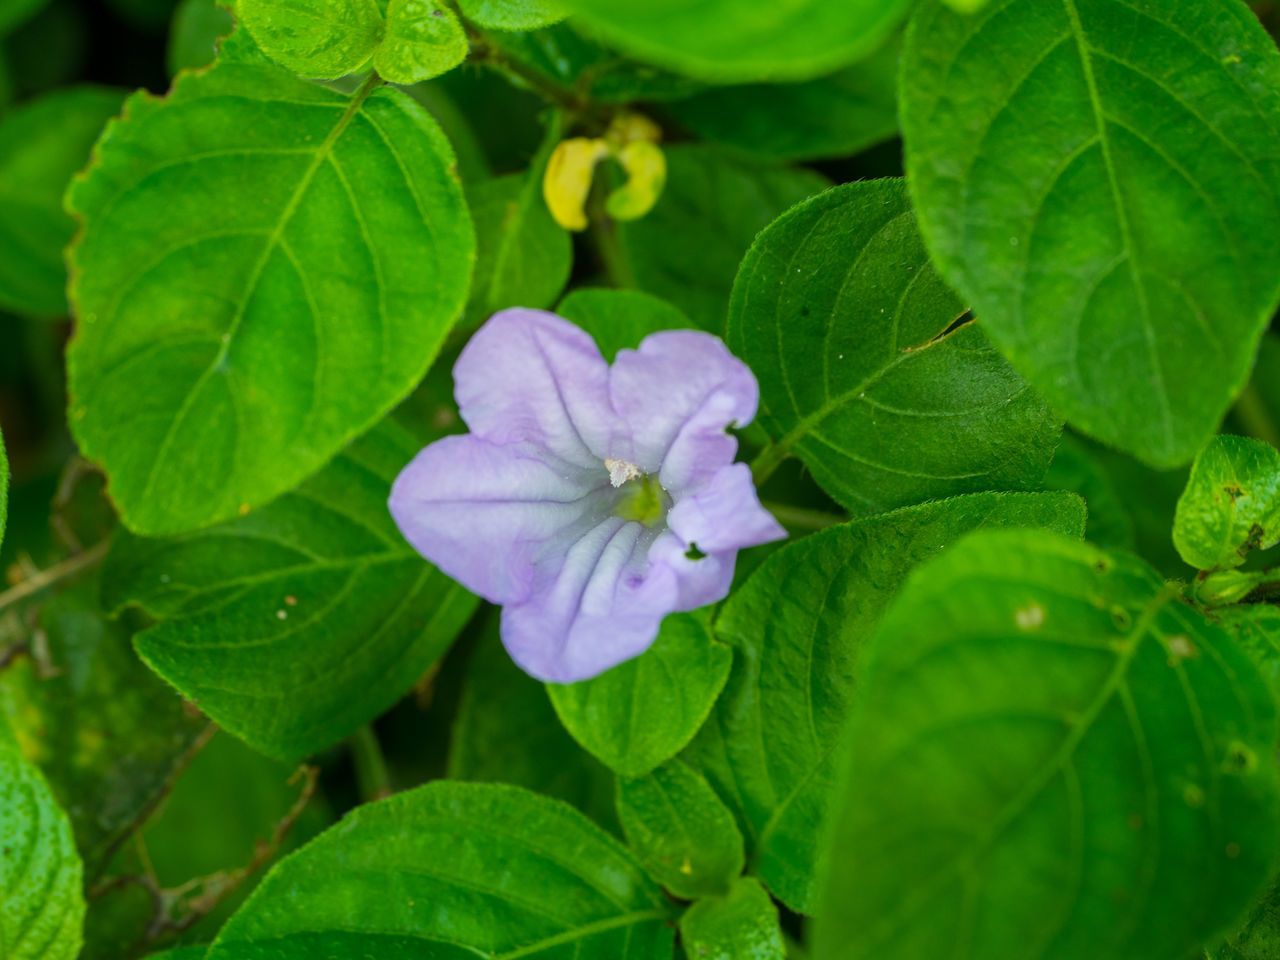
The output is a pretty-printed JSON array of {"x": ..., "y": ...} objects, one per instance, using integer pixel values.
[{"x": 58, "y": 572}]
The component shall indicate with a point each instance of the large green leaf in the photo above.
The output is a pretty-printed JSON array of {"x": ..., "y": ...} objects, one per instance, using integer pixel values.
[
  {"x": 454, "y": 870},
  {"x": 42, "y": 144},
  {"x": 41, "y": 904},
  {"x": 643, "y": 712},
  {"x": 506, "y": 731},
  {"x": 620, "y": 319},
  {"x": 681, "y": 831},
  {"x": 743, "y": 925},
  {"x": 1256, "y": 630},
  {"x": 796, "y": 627},
  {"x": 569, "y": 59},
  {"x": 745, "y": 40},
  {"x": 1231, "y": 505},
  {"x": 297, "y": 623},
  {"x": 266, "y": 268},
  {"x": 1098, "y": 179},
  {"x": 513, "y": 14},
  {"x": 843, "y": 319},
  {"x": 106, "y": 733},
  {"x": 833, "y": 116},
  {"x": 687, "y": 249},
  {"x": 1052, "y": 757}
]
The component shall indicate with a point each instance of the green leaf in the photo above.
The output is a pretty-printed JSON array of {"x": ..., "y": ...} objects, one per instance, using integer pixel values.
[
  {"x": 1075, "y": 468},
  {"x": 1231, "y": 505},
  {"x": 42, "y": 144},
  {"x": 181, "y": 953},
  {"x": 1256, "y": 630},
  {"x": 16, "y": 12},
  {"x": 507, "y": 732},
  {"x": 454, "y": 870},
  {"x": 850, "y": 331},
  {"x": 424, "y": 39},
  {"x": 643, "y": 712},
  {"x": 797, "y": 626},
  {"x": 1258, "y": 938},
  {"x": 524, "y": 257},
  {"x": 680, "y": 830},
  {"x": 740, "y": 926},
  {"x": 322, "y": 578},
  {"x": 569, "y": 59},
  {"x": 1099, "y": 182},
  {"x": 620, "y": 319},
  {"x": 687, "y": 249},
  {"x": 513, "y": 14},
  {"x": 323, "y": 39},
  {"x": 193, "y": 35},
  {"x": 42, "y": 909},
  {"x": 107, "y": 735},
  {"x": 833, "y": 116},
  {"x": 267, "y": 267},
  {"x": 1118, "y": 801},
  {"x": 745, "y": 40},
  {"x": 4, "y": 488}
]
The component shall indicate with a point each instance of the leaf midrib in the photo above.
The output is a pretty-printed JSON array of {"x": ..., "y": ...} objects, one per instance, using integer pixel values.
[
  {"x": 1114, "y": 682},
  {"x": 272, "y": 242},
  {"x": 1122, "y": 216}
]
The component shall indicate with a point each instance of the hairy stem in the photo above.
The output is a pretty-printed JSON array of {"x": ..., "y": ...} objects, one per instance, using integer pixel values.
[{"x": 800, "y": 518}]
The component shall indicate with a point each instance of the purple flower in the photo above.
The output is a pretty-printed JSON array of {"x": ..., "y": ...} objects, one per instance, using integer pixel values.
[{"x": 589, "y": 500}]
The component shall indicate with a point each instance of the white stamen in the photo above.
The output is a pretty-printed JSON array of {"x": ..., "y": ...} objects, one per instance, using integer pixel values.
[{"x": 620, "y": 471}]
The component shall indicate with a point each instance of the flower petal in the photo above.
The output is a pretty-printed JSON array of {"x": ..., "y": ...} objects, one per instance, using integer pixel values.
[
  {"x": 725, "y": 514},
  {"x": 528, "y": 376},
  {"x": 678, "y": 392},
  {"x": 594, "y": 609},
  {"x": 484, "y": 513}
]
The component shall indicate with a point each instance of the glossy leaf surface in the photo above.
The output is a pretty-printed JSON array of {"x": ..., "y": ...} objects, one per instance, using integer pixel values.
[
  {"x": 267, "y": 267},
  {"x": 1098, "y": 179},
  {"x": 849, "y": 329},
  {"x": 796, "y": 627},
  {"x": 454, "y": 870},
  {"x": 1118, "y": 800},
  {"x": 643, "y": 712},
  {"x": 320, "y": 577}
]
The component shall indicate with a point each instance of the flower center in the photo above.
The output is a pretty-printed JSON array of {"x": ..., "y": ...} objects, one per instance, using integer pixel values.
[{"x": 640, "y": 497}]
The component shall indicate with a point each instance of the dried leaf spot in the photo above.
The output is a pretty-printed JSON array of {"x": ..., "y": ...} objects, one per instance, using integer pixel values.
[
  {"x": 1180, "y": 648},
  {"x": 1233, "y": 851},
  {"x": 1193, "y": 796},
  {"x": 1240, "y": 759},
  {"x": 1030, "y": 617},
  {"x": 1135, "y": 822}
]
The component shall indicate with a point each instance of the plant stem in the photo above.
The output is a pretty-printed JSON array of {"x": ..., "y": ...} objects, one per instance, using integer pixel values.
[
  {"x": 767, "y": 461},
  {"x": 1256, "y": 418},
  {"x": 67, "y": 568},
  {"x": 801, "y": 518},
  {"x": 371, "y": 766}
]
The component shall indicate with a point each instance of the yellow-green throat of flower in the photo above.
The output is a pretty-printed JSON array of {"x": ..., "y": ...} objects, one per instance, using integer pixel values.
[{"x": 640, "y": 496}]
